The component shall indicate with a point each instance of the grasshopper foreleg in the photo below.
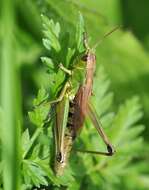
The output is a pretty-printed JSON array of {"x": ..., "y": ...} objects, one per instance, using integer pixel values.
[
  {"x": 61, "y": 66},
  {"x": 67, "y": 85}
]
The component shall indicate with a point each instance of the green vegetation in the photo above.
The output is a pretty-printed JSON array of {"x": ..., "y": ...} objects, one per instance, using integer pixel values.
[{"x": 28, "y": 66}]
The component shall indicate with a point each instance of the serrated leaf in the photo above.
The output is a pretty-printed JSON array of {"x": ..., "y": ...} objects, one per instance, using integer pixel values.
[
  {"x": 70, "y": 53},
  {"x": 44, "y": 164},
  {"x": 34, "y": 173},
  {"x": 57, "y": 29},
  {"x": 51, "y": 32},
  {"x": 41, "y": 96},
  {"x": 35, "y": 152},
  {"x": 46, "y": 44},
  {"x": 127, "y": 116},
  {"x": 105, "y": 104},
  {"x": 80, "y": 29},
  {"x": 25, "y": 140},
  {"x": 41, "y": 110},
  {"x": 39, "y": 115},
  {"x": 49, "y": 24},
  {"x": 49, "y": 63}
]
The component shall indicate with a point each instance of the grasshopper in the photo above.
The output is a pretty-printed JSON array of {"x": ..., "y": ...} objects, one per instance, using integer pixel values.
[{"x": 73, "y": 105}]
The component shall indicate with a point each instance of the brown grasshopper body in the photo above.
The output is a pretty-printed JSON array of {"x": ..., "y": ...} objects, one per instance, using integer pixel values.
[
  {"x": 77, "y": 111},
  {"x": 84, "y": 92}
]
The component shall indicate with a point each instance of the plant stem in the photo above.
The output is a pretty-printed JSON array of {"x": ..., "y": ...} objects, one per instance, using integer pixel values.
[{"x": 9, "y": 99}]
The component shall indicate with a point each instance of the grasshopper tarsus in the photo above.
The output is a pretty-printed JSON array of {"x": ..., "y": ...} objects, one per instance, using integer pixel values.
[{"x": 110, "y": 149}]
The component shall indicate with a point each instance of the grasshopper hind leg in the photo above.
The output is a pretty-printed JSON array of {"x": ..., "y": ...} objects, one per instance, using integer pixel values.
[
  {"x": 93, "y": 116},
  {"x": 110, "y": 152}
]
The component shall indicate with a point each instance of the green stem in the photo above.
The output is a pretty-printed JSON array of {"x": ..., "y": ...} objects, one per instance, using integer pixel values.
[{"x": 10, "y": 133}]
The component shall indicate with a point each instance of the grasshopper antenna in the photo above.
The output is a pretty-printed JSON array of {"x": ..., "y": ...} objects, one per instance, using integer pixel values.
[{"x": 105, "y": 36}]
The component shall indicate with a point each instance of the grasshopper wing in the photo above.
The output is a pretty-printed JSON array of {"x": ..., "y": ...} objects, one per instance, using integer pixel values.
[
  {"x": 91, "y": 112},
  {"x": 62, "y": 109}
]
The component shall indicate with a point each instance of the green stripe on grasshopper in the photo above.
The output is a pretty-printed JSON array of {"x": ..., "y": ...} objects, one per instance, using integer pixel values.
[{"x": 62, "y": 109}]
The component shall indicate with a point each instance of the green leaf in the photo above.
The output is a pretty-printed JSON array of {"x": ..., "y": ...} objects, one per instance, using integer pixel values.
[
  {"x": 44, "y": 164},
  {"x": 39, "y": 115},
  {"x": 35, "y": 152},
  {"x": 49, "y": 63},
  {"x": 80, "y": 29},
  {"x": 46, "y": 43},
  {"x": 34, "y": 174},
  {"x": 127, "y": 116},
  {"x": 70, "y": 53},
  {"x": 51, "y": 33},
  {"x": 41, "y": 96},
  {"x": 25, "y": 140}
]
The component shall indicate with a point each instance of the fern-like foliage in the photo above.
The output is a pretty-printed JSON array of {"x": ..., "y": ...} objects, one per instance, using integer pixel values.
[{"x": 84, "y": 170}]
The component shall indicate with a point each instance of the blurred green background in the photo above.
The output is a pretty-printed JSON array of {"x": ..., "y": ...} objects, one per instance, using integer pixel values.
[{"x": 124, "y": 56}]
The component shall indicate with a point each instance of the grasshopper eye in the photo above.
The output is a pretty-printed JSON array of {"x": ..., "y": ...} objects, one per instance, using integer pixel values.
[{"x": 85, "y": 57}]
